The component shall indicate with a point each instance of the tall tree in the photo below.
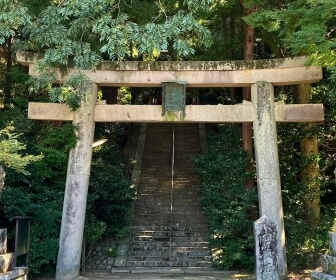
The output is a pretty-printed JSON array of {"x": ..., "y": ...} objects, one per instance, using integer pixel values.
[
  {"x": 309, "y": 28},
  {"x": 310, "y": 170},
  {"x": 13, "y": 17},
  {"x": 249, "y": 32}
]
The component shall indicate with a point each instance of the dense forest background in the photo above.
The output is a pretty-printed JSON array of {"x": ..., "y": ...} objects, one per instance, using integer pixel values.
[{"x": 82, "y": 33}]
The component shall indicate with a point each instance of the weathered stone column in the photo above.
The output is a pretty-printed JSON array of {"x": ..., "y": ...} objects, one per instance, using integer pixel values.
[
  {"x": 77, "y": 182},
  {"x": 267, "y": 162}
]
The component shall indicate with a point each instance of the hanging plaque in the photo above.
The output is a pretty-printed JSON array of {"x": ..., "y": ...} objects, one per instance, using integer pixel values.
[{"x": 173, "y": 97}]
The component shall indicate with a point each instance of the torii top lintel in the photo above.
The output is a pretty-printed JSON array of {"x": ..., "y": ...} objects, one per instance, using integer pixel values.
[{"x": 285, "y": 71}]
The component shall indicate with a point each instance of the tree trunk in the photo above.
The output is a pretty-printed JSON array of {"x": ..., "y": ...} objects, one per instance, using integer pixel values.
[
  {"x": 8, "y": 83},
  {"x": 310, "y": 171},
  {"x": 249, "y": 33}
]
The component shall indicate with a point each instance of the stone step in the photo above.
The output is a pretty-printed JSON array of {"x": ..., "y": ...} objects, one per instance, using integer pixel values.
[
  {"x": 6, "y": 262},
  {"x": 152, "y": 208},
  {"x": 178, "y": 200},
  {"x": 192, "y": 251},
  {"x": 198, "y": 232},
  {"x": 329, "y": 264},
  {"x": 159, "y": 221},
  {"x": 182, "y": 258},
  {"x": 179, "y": 239},
  {"x": 176, "y": 214},
  {"x": 162, "y": 177},
  {"x": 156, "y": 204},
  {"x": 153, "y": 233},
  {"x": 182, "y": 218},
  {"x": 166, "y": 184},
  {"x": 151, "y": 238},
  {"x": 148, "y": 263},
  {"x": 167, "y": 228},
  {"x": 153, "y": 211},
  {"x": 151, "y": 222},
  {"x": 167, "y": 197},
  {"x": 181, "y": 251},
  {"x": 167, "y": 264},
  {"x": 154, "y": 248},
  {"x": 164, "y": 194},
  {"x": 160, "y": 208},
  {"x": 3, "y": 241},
  {"x": 148, "y": 253},
  {"x": 196, "y": 244},
  {"x": 18, "y": 273},
  {"x": 174, "y": 224},
  {"x": 317, "y": 275},
  {"x": 165, "y": 180},
  {"x": 166, "y": 203},
  {"x": 136, "y": 245},
  {"x": 177, "y": 189}
]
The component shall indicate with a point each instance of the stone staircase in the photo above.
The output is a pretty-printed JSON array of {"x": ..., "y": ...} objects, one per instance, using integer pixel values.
[
  {"x": 170, "y": 228},
  {"x": 328, "y": 262},
  {"x": 7, "y": 269}
]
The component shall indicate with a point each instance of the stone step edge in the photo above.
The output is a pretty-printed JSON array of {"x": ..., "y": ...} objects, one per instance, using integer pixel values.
[
  {"x": 17, "y": 272},
  {"x": 181, "y": 270},
  {"x": 329, "y": 264},
  {"x": 321, "y": 276},
  {"x": 6, "y": 262}
]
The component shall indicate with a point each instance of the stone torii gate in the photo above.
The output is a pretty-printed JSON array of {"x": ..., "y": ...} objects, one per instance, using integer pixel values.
[{"x": 261, "y": 75}]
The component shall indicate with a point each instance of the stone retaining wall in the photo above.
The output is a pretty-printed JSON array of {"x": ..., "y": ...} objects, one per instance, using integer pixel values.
[
  {"x": 101, "y": 256},
  {"x": 7, "y": 271}
]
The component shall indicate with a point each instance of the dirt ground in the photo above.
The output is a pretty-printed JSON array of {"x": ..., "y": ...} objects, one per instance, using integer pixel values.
[{"x": 298, "y": 275}]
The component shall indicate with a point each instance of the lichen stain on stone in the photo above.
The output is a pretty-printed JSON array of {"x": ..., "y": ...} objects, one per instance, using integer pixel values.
[
  {"x": 173, "y": 116},
  {"x": 332, "y": 267},
  {"x": 109, "y": 65},
  {"x": 73, "y": 190},
  {"x": 263, "y": 103},
  {"x": 190, "y": 65},
  {"x": 170, "y": 117}
]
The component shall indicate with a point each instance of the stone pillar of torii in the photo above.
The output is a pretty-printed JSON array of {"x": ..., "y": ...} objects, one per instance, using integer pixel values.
[{"x": 261, "y": 75}]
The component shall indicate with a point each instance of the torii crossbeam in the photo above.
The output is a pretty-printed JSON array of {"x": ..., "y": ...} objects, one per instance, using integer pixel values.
[{"x": 262, "y": 76}]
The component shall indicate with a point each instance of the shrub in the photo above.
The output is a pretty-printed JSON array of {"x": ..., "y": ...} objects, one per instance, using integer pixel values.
[{"x": 228, "y": 205}]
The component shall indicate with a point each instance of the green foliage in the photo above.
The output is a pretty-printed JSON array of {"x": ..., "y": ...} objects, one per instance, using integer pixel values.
[
  {"x": 303, "y": 242},
  {"x": 109, "y": 182},
  {"x": 72, "y": 92},
  {"x": 305, "y": 27},
  {"x": 124, "y": 96},
  {"x": 40, "y": 195},
  {"x": 13, "y": 16},
  {"x": 94, "y": 229},
  {"x": 55, "y": 145},
  {"x": 227, "y": 203},
  {"x": 112, "y": 252},
  {"x": 11, "y": 151},
  {"x": 268, "y": 20},
  {"x": 83, "y": 32}
]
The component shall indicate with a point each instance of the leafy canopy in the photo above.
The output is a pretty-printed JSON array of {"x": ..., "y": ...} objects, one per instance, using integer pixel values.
[
  {"x": 81, "y": 33},
  {"x": 307, "y": 27},
  {"x": 13, "y": 16}
]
